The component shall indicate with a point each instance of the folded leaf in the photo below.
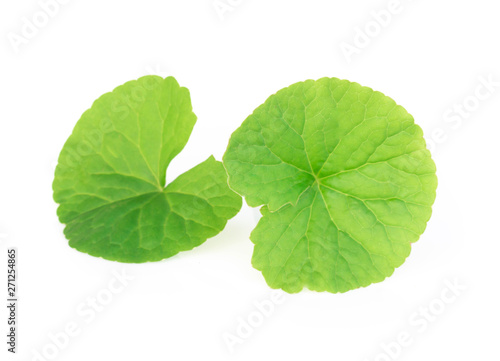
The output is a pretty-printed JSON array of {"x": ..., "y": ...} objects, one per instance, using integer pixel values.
[{"x": 110, "y": 178}]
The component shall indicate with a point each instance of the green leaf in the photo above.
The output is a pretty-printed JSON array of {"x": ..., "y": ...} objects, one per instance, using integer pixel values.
[
  {"x": 346, "y": 182},
  {"x": 110, "y": 178}
]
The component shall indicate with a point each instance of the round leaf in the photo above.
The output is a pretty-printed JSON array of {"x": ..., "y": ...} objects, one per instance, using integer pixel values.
[{"x": 345, "y": 180}]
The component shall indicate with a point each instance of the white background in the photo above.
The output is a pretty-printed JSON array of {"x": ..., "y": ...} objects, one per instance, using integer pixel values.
[{"x": 429, "y": 57}]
